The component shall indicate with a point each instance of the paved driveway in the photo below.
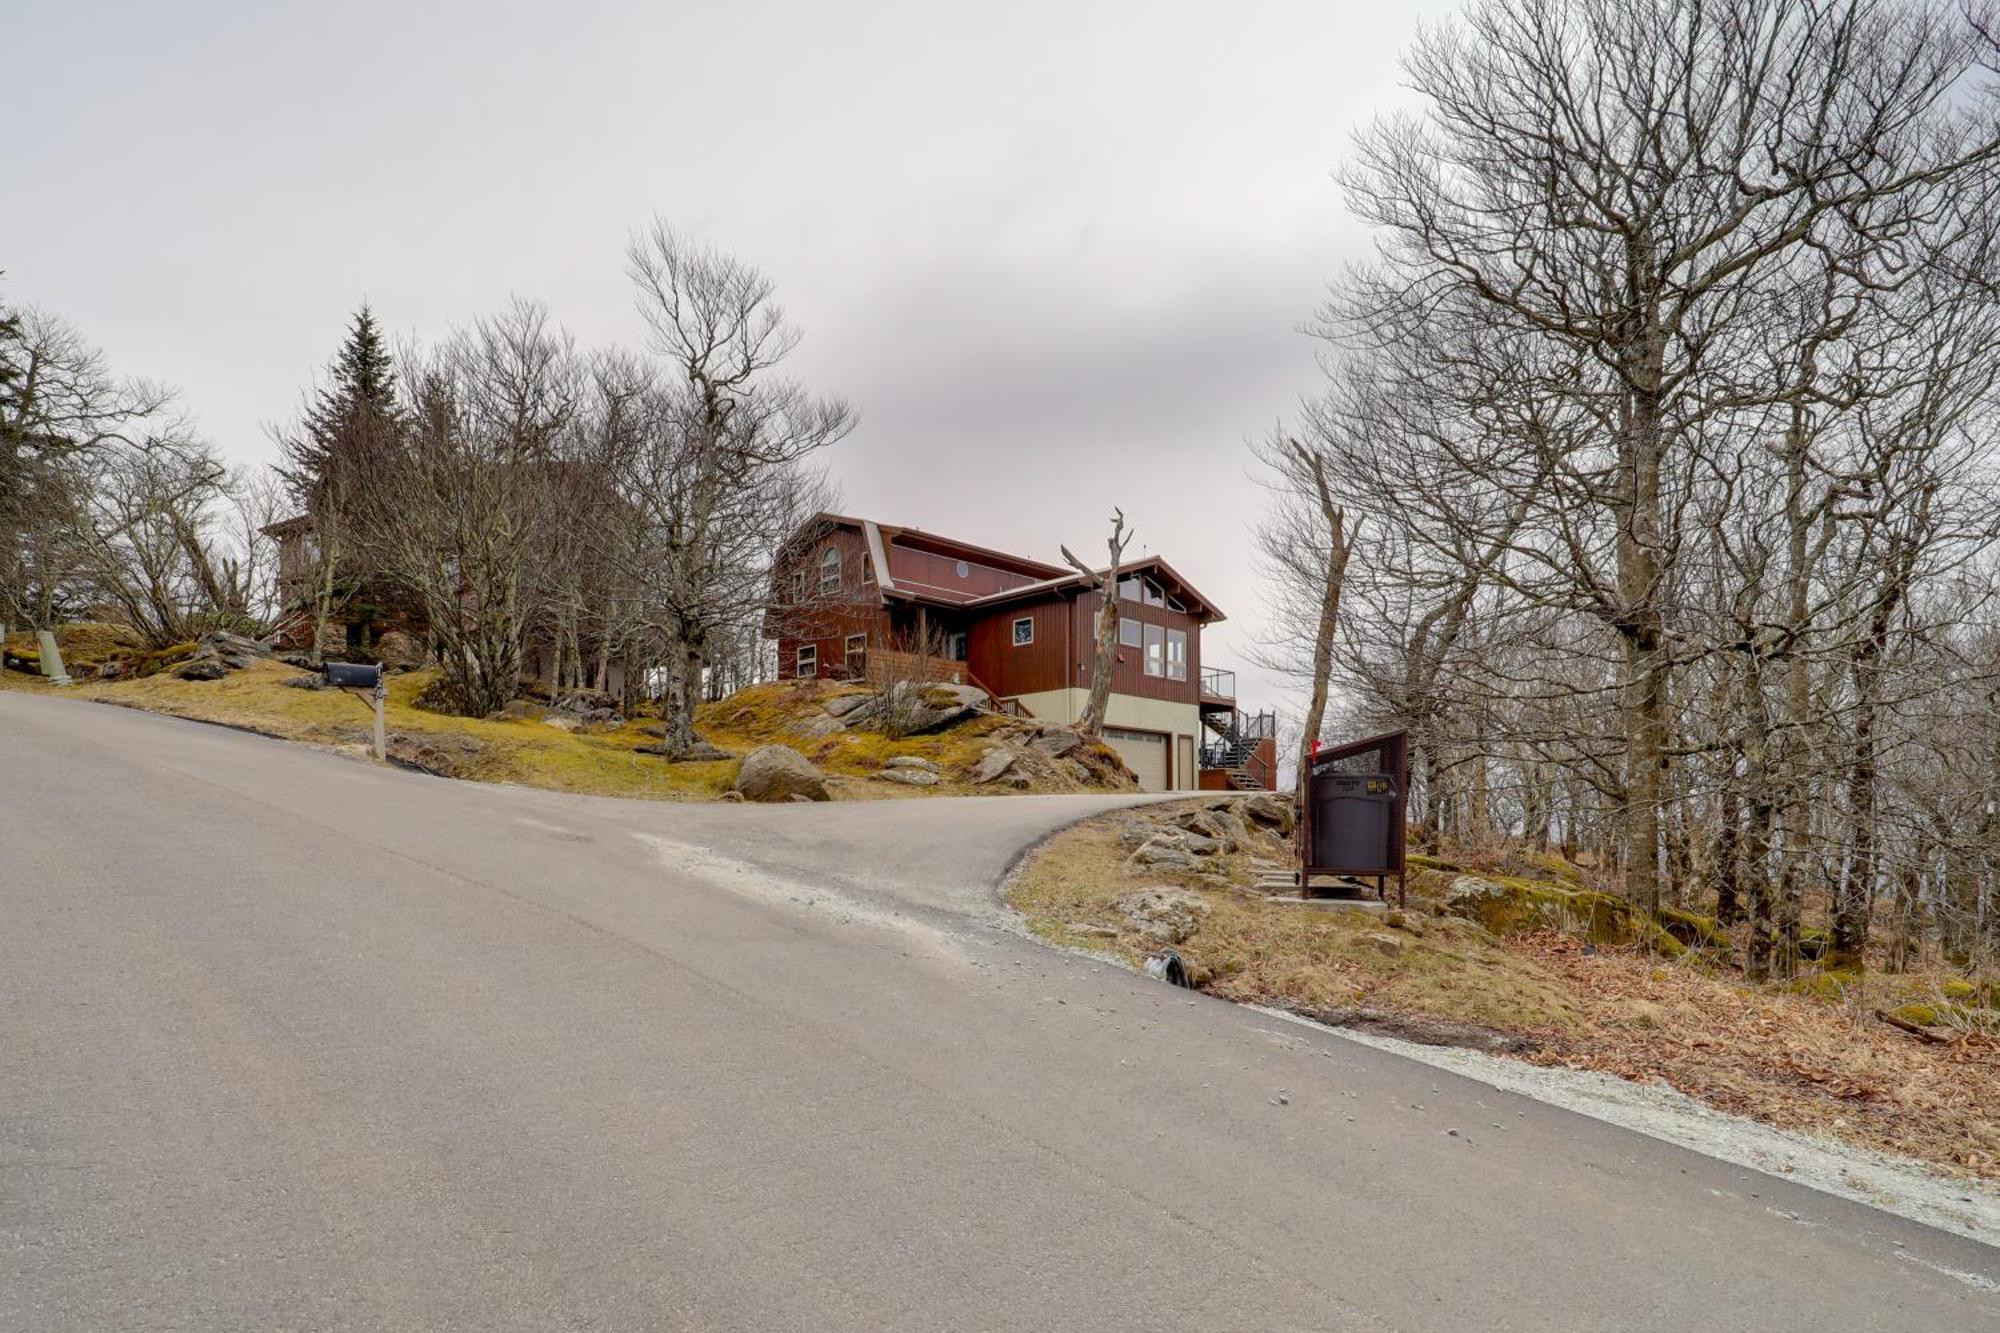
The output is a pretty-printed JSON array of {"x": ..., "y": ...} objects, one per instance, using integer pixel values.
[{"x": 288, "y": 1041}]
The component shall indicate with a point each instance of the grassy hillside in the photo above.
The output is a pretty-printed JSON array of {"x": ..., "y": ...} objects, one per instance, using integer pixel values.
[
  {"x": 527, "y": 749},
  {"x": 1559, "y": 987}
]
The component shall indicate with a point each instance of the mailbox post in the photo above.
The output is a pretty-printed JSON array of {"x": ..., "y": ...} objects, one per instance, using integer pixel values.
[
  {"x": 356, "y": 677},
  {"x": 1353, "y": 815}
]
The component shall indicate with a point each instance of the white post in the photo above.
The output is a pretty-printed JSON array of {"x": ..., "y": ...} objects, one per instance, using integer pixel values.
[
  {"x": 381, "y": 694},
  {"x": 52, "y": 663}
]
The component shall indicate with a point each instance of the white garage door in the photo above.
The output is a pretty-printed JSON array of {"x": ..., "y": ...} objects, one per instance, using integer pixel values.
[{"x": 1144, "y": 752}]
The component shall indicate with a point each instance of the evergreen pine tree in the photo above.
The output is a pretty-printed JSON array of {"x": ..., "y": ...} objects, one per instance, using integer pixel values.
[{"x": 347, "y": 423}]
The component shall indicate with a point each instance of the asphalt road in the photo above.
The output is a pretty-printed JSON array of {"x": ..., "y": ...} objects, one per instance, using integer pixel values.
[{"x": 291, "y": 1042}]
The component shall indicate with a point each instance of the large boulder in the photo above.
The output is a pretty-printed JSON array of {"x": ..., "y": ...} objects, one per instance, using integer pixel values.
[
  {"x": 218, "y": 652},
  {"x": 817, "y": 727},
  {"x": 1056, "y": 742},
  {"x": 909, "y": 777},
  {"x": 779, "y": 773},
  {"x": 992, "y": 766},
  {"x": 1509, "y": 906},
  {"x": 1164, "y": 913},
  {"x": 1164, "y": 853},
  {"x": 1272, "y": 810},
  {"x": 1234, "y": 832},
  {"x": 910, "y": 708},
  {"x": 400, "y": 651},
  {"x": 947, "y": 705}
]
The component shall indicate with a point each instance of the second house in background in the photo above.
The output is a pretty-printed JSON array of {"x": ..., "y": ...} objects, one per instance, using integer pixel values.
[{"x": 858, "y": 600}]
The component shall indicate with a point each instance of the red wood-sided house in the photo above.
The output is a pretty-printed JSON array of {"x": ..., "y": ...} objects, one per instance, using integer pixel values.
[{"x": 854, "y": 599}]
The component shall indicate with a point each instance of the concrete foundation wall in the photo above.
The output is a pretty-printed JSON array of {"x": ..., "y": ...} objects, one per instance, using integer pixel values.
[{"x": 1179, "y": 721}]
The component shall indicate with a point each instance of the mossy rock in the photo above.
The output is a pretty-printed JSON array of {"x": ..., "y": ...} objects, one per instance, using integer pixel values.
[
  {"x": 1664, "y": 943},
  {"x": 1692, "y": 929},
  {"x": 149, "y": 664},
  {"x": 1546, "y": 866},
  {"x": 1923, "y": 1015},
  {"x": 1508, "y": 906},
  {"x": 1418, "y": 861},
  {"x": 1832, "y": 985},
  {"x": 1427, "y": 883},
  {"x": 1814, "y": 941},
  {"x": 1958, "y": 989}
]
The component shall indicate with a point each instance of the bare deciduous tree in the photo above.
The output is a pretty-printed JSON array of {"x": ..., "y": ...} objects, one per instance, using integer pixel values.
[
  {"x": 718, "y": 465},
  {"x": 1104, "y": 657}
]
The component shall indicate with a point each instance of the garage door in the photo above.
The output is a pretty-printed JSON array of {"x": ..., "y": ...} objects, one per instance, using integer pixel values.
[{"x": 1144, "y": 752}]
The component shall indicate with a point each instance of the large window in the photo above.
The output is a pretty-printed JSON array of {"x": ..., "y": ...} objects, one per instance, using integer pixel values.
[
  {"x": 829, "y": 572},
  {"x": 1156, "y": 650},
  {"x": 1130, "y": 633},
  {"x": 856, "y": 647},
  {"x": 1132, "y": 588},
  {"x": 1024, "y": 631},
  {"x": 1176, "y": 654},
  {"x": 808, "y": 661}
]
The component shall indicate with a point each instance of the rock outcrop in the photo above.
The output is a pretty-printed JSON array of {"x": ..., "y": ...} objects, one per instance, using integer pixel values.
[
  {"x": 1273, "y": 811},
  {"x": 1164, "y": 912},
  {"x": 218, "y": 652}
]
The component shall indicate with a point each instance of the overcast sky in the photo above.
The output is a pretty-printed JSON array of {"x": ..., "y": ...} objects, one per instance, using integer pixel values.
[{"x": 1055, "y": 253}]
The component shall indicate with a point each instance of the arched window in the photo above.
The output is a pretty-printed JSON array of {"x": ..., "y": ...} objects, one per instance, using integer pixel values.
[{"x": 829, "y": 571}]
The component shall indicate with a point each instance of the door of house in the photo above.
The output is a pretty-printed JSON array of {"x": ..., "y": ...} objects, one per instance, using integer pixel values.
[{"x": 1144, "y": 752}]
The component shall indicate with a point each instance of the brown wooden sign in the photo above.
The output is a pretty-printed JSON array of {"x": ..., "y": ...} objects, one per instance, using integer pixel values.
[{"x": 1354, "y": 812}]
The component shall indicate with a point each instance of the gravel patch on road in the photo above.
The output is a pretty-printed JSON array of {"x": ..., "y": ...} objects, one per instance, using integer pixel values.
[{"x": 1893, "y": 1184}]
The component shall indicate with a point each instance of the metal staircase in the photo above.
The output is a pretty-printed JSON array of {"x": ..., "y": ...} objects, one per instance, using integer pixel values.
[{"x": 1234, "y": 740}]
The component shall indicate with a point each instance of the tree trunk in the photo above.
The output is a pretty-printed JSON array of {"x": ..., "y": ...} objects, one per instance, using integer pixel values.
[
  {"x": 1329, "y": 616},
  {"x": 1104, "y": 662},
  {"x": 1642, "y": 626}
]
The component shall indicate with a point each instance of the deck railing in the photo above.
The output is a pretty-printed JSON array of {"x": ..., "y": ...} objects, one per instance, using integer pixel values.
[{"x": 1218, "y": 684}]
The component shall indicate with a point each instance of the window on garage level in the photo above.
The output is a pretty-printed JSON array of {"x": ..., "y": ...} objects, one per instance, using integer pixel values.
[
  {"x": 808, "y": 661},
  {"x": 1024, "y": 631}
]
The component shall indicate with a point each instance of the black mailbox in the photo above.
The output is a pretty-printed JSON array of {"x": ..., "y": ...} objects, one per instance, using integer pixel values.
[{"x": 352, "y": 675}]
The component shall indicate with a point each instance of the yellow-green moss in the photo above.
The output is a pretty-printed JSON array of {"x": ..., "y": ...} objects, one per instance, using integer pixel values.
[
  {"x": 1958, "y": 988},
  {"x": 1531, "y": 904},
  {"x": 1692, "y": 928},
  {"x": 1923, "y": 1015}
]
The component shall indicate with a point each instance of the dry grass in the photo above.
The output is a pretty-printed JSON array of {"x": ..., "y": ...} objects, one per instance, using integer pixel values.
[
  {"x": 524, "y": 750},
  {"x": 1809, "y": 1056},
  {"x": 595, "y": 761},
  {"x": 1305, "y": 959}
]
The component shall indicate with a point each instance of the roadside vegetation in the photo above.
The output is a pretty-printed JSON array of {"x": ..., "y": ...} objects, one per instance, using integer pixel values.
[
  {"x": 536, "y": 744},
  {"x": 1547, "y": 970}
]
